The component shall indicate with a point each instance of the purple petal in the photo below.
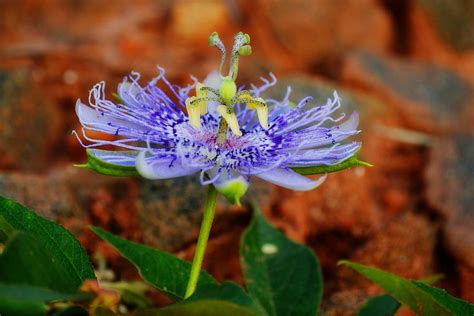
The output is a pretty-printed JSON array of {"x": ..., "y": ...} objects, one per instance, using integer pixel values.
[
  {"x": 153, "y": 168},
  {"x": 291, "y": 180}
]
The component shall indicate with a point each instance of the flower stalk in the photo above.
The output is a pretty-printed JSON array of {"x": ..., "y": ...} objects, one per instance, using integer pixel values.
[{"x": 204, "y": 232}]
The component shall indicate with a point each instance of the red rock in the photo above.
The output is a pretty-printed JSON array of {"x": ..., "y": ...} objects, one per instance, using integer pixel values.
[
  {"x": 406, "y": 247},
  {"x": 466, "y": 275},
  {"x": 395, "y": 200},
  {"x": 29, "y": 123},
  {"x": 409, "y": 257},
  {"x": 428, "y": 45},
  {"x": 315, "y": 30},
  {"x": 193, "y": 21},
  {"x": 428, "y": 97},
  {"x": 450, "y": 190}
]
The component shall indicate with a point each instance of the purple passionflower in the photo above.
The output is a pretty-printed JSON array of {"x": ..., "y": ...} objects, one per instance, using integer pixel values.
[{"x": 228, "y": 134}]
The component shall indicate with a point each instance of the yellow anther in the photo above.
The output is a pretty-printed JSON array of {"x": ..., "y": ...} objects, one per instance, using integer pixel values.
[
  {"x": 246, "y": 97},
  {"x": 262, "y": 112},
  {"x": 194, "y": 111},
  {"x": 202, "y": 93},
  {"x": 260, "y": 106},
  {"x": 230, "y": 118}
]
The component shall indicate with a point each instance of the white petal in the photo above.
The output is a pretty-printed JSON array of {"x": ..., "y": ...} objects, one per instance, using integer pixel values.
[
  {"x": 350, "y": 124},
  {"x": 91, "y": 117},
  {"x": 289, "y": 179},
  {"x": 213, "y": 80},
  {"x": 161, "y": 169}
]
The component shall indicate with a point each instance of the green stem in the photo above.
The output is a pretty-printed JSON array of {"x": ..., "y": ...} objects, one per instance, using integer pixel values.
[{"x": 206, "y": 225}]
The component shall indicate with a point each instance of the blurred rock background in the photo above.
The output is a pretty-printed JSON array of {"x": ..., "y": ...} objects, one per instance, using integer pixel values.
[{"x": 407, "y": 66}]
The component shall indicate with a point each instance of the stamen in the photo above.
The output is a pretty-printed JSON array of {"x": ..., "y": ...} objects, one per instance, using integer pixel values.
[
  {"x": 196, "y": 107},
  {"x": 201, "y": 93},
  {"x": 257, "y": 104},
  {"x": 209, "y": 89},
  {"x": 243, "y": 94},
  {"x": 261, "y": 107},
  {"x": 214, "y": 40},
  {"x": 194, "y": 111},
  {"x": 231, "y": 119}
]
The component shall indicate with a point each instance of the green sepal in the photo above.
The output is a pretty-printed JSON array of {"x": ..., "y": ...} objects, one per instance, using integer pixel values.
[
  {"x": 352, "y": 161},
  {"x": 119, "y": 99},
  {"x": 103, "y": 167},
  {"x": 233, "y": 190}
]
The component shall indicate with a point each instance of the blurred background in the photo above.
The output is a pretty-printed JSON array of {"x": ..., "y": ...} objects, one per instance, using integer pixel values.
[{"x": 407, "y": 66}]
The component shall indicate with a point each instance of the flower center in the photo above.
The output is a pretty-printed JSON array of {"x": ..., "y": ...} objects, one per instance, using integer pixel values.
[{"x": 227, "y": 95}]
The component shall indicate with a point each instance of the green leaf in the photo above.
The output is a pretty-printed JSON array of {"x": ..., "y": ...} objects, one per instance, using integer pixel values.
[
  {"x": 6, "y": 230},
  {"x": 18, "y": 299},
  {"x": 282, "y": 276},
  {"x": 159, "y": 268},
  {"x": 318, "y": 169},
  {"x": 41, "y": 252},
  {"x": 23, "y": 308},
  {"x": 103, "y": 311},
  {"x": 95, "y": 163},
  {"x": 25, "y": 261},
  {"x": 71, "y": 311},
  {"x": 457, "y": 306},
  {"x": 418, "y": 296},
  {"x": 384, "y": 305},
  {"x": 212, "y": 299},
  {"x": 387, "y": 305},
  {"x": 200, "y": 308},
  {"x": 227, "y": 291},
  {"x": 28, "y": 292}
]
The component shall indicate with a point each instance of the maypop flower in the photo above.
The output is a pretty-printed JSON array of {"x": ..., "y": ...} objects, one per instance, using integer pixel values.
[{"x": 227, "y": 135}]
